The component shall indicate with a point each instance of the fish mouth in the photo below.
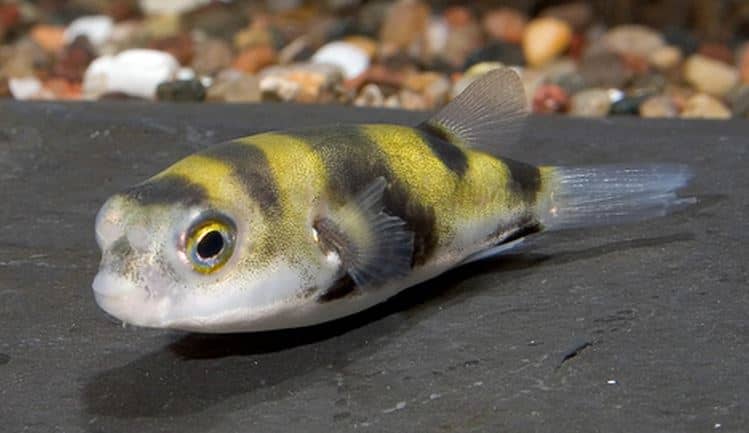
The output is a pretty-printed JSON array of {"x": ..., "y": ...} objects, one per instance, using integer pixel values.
[{"x": 125, "y": 301}]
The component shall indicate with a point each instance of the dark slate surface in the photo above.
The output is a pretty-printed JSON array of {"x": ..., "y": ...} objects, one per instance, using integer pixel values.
[{"x": 632, "y": 328}]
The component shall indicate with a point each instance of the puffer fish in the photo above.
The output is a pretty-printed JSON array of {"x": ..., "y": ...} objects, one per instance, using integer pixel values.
[{"x": 294, "y": 228}]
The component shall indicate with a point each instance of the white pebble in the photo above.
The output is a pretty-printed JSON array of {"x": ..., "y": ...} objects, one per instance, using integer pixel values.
[
  {"x": 185, "y": 74},
  {"x": 97, "y": 28},
  {"x": 24, "y": 88},
  {"x": 351, "y": 59},
  {"x": 134, "y": 72},
  {"x": 170, "y": 7},
  {"x": 437, "y": 34},
  {"x": 612, "y": 382}
]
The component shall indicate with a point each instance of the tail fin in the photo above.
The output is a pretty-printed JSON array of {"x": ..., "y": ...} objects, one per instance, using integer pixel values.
[{"x": 576, "y": 197}]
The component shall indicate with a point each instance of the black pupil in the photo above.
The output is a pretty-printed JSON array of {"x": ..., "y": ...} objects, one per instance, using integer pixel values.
[{"x": 210, "y": 245}]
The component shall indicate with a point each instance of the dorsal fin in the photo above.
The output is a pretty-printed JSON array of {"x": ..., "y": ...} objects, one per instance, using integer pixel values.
[{"x": 491, "y": 111}]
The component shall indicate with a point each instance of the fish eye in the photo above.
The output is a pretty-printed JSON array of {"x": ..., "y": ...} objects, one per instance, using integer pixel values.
[{"x": 209, "y": 244}]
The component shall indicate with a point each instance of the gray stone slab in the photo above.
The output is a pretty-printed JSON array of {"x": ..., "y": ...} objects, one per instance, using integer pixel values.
[{"x": 629, "y": 328}]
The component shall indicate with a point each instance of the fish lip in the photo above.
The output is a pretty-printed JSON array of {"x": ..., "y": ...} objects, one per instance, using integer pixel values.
[
  {"x": 109, "y": 286},
  {"x": 126, "y": 302}
]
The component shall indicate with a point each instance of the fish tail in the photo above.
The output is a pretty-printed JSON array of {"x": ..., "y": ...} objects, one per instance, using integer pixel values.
[{"x": 587, "y": 196}]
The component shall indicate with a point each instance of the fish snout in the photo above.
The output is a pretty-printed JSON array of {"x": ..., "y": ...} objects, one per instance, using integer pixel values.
[{"x": 109, "y": 223}]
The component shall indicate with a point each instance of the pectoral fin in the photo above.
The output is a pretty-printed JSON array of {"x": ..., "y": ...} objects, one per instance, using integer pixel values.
[{"x": 373, "y": 247}]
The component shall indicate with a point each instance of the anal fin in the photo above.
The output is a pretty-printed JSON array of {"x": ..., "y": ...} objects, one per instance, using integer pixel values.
[
  {"x": 507, "y": 243},
  {"x": 374, "y": 247}
]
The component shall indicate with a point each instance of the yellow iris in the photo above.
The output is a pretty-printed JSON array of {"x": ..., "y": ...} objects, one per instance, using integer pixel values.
[{"x": 209, "y": 245}]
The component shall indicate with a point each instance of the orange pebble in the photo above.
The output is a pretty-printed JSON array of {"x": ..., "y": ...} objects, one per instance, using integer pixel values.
[
  {"x": 63, "y": 89},
  {"x": 255, "y": 58},
  {"x": 50, "y": 38},
  {"x": 458, "y": 16}
]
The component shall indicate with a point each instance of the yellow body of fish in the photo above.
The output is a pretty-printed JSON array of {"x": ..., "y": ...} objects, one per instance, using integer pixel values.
[{"x": 287, "y": 229}]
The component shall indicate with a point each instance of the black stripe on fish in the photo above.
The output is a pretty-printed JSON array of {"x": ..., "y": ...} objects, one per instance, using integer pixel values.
[
  {"x": 167, "y": 189},
  {"x": 352, "y": 161},
  {"x": 525, "y": 179},
  {"x": 250, "y": 166},
  {"x": 449, "y": 154}
]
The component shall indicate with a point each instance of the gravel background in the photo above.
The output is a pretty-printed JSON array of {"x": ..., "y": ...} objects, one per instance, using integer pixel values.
[{"x": 489, "y": 347}]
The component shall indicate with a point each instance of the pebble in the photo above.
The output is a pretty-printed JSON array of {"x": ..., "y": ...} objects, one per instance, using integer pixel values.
[
  {"x": 221, "y": 19},
  {"x": 74, "y": 59},
  {"x": 635, "y": 63},
  {"x": 572, "y": 82},
  {"x": 24, "y": 88},
  {"x": 51, "y": 38},
  {"x": 628, "y": 105},
  {"x": 60, "y": 88},
  {"x": 370, "y": 96},
  {"x": 180, "y": 46},
  {"x": 170, "y": 7},
  {"x": 550, "y": 98},
  {"x": 577, "y": 14},
  {"x": 742, "y": 61},
  {"x": 680, "y": 94},
  {"x": 681, "y": 38},
  {"x": 739, "y": 100},
  {"x": 125, "y": 35},
  {"x": 161, "y": 26},
  {"x": 604, "y": 69},
  {"x": 715, "y": 51},
  {"x": 134, "y": 72},
  {"x": 10, "y": 18},
  {"x": 122, "y": 10},
  {"x": 211, "y": 56},
  {"x": 710, "y": 76},
  {"x": 258, "y": 33},
  {"x": 366, "y": 44},
  {"x": 181, "y": 91},
  {"x": 410, "y": 100},
  {"x": 590, "y": 103},
  {"x": 508, "y": 54},
  {"x": 646, "y": 85},
  {"x": 633, "y": 39},
  {"x": 505, "y": 24},
  {"x": 404, "y": 24},
  {"x": 22, "y": 59},
  {"x": 255, "y": 58},
  {"x": 97, "y": 28},
  {"x": 436, "y": 36},
  {"x": 434, "y": 87},
  {"x": 236, "y": 87},
  {"x": 659, "y": 107},
  {"x": 298, "y": 50},
  {"x": 371, "y": 16},
  {"x": 665, "y": 58},
  {"x": 545, "y": 39},
  {"x": 461, "y": 42},
  {"x": 559, "y": 69},
  {"x": 301, "y": 82},
  {"x": 352, "y": 60},
  {"x": 705, "y": 106}
]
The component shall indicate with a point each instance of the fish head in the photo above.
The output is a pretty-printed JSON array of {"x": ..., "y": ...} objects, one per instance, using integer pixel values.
[{"x": 177, "y": 254}]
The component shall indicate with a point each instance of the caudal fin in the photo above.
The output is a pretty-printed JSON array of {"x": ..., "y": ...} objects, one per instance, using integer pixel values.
[{"x": 576, "y": 197}]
